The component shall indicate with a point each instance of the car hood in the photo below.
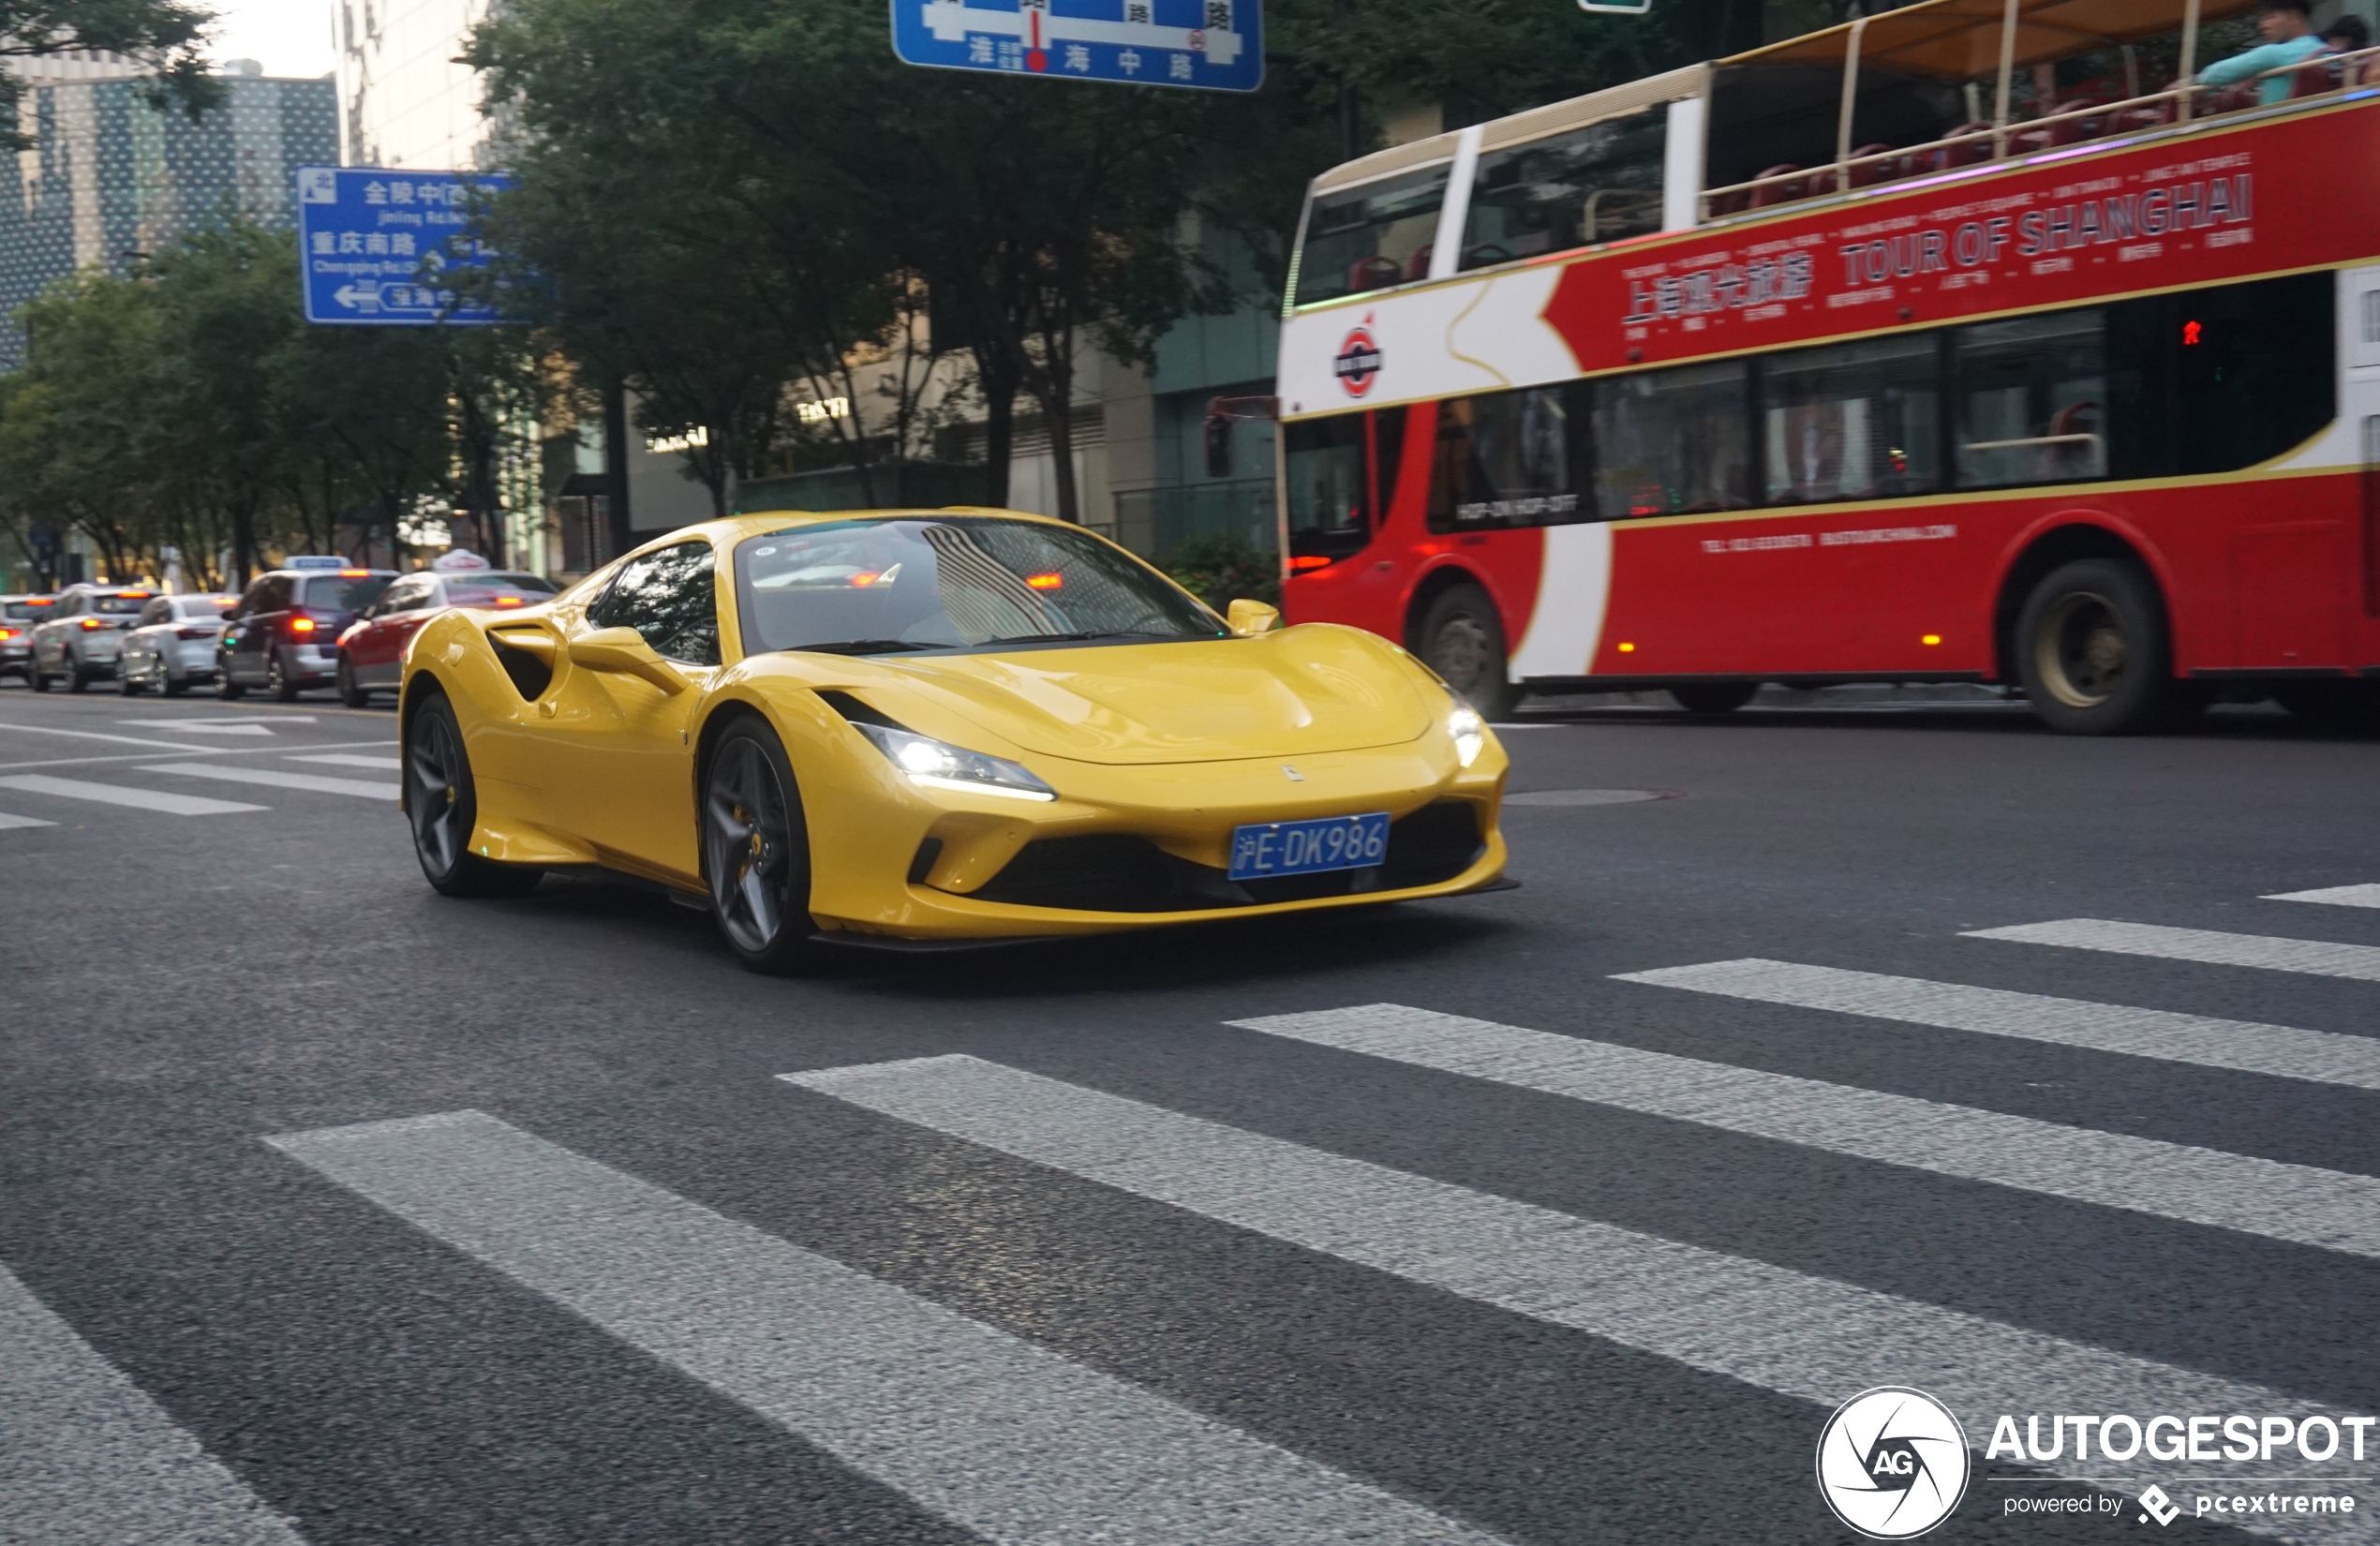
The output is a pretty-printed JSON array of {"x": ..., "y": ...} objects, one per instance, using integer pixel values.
[{"x": 1297, "y": 692}]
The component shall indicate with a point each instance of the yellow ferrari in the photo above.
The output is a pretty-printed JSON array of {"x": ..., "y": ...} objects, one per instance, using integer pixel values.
[{"x": 926, "y": 728}]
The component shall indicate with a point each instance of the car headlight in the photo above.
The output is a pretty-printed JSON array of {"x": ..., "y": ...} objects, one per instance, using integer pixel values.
[
  {"x": 1468, "y": 729},
  {"x": 938, "y": 764}
]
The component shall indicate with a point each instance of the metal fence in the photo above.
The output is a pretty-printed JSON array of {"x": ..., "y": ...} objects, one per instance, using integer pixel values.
[{"x": 1157, "y": 522}]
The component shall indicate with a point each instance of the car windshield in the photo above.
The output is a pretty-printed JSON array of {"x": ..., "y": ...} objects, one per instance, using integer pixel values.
[
  {"x": 949, "y": 581},
  {"x": 131, "y": 600},
  {"x": 28, "y": 609},
  {"x": 206, "y": 606},
  {"x": 343, "y": 592}
]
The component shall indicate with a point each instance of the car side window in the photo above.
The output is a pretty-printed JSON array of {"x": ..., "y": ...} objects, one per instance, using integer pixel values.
[
  {"x": 158, "y": 611},
  {"x": 68, "y": 605},
  {"x": 670, "y": 598}
]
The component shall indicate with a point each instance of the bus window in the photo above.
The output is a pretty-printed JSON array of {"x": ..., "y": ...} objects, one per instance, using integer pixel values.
[
  {"x": 2032, "y": 400},
  {"x": 1322, "y": 477},
  {"x": 1671, "y": 441},
  {"x": 1510, "y": 459},
  {"x": 1852, "y": 421},
  {"x": 1596, "y": 184},
  {"x": 2254, "y": 368},
  {"x": 1370, "y": 235}
]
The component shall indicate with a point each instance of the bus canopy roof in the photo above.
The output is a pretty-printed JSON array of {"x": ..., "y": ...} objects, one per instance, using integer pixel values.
[{"x": 1959, "y": 39}]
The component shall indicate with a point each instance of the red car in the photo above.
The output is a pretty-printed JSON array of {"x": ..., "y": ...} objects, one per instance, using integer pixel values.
[{"x": 372, "y": 651}]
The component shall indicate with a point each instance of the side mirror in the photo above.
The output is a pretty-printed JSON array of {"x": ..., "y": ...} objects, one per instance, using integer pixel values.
[
  {"x": 623, "y": 651},
  {"x": 1249, "y": 618}
]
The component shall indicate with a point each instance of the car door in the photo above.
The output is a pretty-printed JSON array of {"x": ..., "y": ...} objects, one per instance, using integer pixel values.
[
  {"x": 377, "y": 650},
  {"x": 617, "y": 753},
  {"x": 248, "y": 639},
  {"x": 49, "y": 639},
  {"x": 139, "y": 645}
]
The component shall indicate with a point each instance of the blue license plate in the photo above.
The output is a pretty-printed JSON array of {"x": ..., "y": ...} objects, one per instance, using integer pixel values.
[{"x": 1308, "y": 848}]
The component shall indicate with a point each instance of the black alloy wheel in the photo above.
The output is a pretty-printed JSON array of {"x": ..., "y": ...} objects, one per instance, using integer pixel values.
[
  {"x": 2092, "y": 651},
  {"x": 755, "y": 851},
  {"x": 1462, "y": 639},
  {"x": 278, "y": 679},
  {"x": 443, "y": 811}
]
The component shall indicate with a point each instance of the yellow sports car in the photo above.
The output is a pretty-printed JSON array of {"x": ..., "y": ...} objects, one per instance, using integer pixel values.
[{"x": 926, "y": 728}]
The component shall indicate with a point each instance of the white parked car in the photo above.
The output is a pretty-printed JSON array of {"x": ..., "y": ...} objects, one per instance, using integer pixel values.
[
  {"x": 77, "y": 642},
  {"x": 171, "y": 644}
]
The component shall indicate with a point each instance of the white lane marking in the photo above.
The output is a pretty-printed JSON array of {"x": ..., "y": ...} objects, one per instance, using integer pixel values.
[
  {"x": 2327, "y": 1209},
  {"x": 2284, "y": 1052},
  {"x": 7, "y": 821},
  {"x": 98, "y": 735},
  {"x": 189, "y": 750},
  {"x": 228, "y": 719},
  {"x": 1003, "y": 1437},
  {"x": 2315, "y": 957},
  {"x": 314, "y": 782},
  {"x": 116, "y": 794},
  {"x": 1808, "y": 1337},
  {"x": 202, "y": 727},
  {"x": 88, "y": 1459},
  {"x": 1584, "y": 796},
  {"x": 2337, "y": 896},
  {"x": 351, "y": 759}
]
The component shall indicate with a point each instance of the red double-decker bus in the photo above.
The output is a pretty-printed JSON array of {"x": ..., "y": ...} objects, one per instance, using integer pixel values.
[{"x": 1958, "y": 343}]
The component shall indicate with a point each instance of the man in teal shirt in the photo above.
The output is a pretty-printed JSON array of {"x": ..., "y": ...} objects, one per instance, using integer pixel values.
[{"x": 2287, "y": 30}]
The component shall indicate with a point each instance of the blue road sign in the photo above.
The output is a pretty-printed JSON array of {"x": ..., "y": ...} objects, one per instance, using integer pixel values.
[
  {"x": 381, "y": 246},
  {"x": 1206, "y": 45}
]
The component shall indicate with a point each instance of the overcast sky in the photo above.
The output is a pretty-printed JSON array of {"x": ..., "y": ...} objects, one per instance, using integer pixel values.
[{"x": 287, "y": 36}]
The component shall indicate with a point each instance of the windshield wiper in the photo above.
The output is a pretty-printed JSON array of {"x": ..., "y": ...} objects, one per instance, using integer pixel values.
[
  {"x": 1081, "y": 638},
  {"x": 864, "y": 646}
]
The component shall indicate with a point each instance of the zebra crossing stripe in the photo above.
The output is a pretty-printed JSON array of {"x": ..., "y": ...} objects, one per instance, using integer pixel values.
[
  {"x": 2315, "y": 957},
  {"x": 2299, "y": 1203},
  {"x": 312, "y": 782},
  {"x": 7, "y": 822},
  {"x": 117, "y": 793},
  {"x": 87, "y": 1459},
  {"x": 1005, "y": 1438},
  {"x": 2245, "y": 1046},
  {"x": 1808, "y": 1337},
  {"x": 354, "y": 759},
  {"x": 2337, "y": 896}
]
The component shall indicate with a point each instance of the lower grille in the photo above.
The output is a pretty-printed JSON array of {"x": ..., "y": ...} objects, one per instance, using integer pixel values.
[{"x": 1116, "y": 872}]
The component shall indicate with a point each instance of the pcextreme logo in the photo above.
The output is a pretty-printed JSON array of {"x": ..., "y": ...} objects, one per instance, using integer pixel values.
[{"x": 1892, "y": 1463}]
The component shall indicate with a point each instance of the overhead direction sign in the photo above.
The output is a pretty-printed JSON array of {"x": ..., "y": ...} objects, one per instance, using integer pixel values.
[
  {"x": 1205, "y": 45},
  {"x": 381, "y": 245}
]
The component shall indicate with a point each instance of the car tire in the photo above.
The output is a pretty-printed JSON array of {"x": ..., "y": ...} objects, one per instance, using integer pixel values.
[
  {"x": 34, "y": 678},
  {"x": 125, "y": 683},
  {"x": 2094, "y": 652},
  {"x": 1462, "y": 639},
  {"x": 78, "y": 680},
  {"x": 171, "y": 685},
  {"x": 352, "y": 695},
  {"x": 755, "y": 851},
  {"x": 441, "y": 807},
  {"x": 1704, "y": 700},
  {"x": 278, "y": 679}
]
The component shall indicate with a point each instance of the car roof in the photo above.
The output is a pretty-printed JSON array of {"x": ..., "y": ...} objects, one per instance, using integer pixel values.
[{"x": 356, "y": 571}]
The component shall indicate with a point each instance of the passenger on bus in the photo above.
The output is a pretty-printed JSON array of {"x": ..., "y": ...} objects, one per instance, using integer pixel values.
[
  {"x": 2287, "y": 27},
  {"x": 2348, "y": 34}
]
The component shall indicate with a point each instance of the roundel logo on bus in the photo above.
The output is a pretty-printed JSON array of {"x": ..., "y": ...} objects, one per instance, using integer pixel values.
[{"x": 1357, "y": 360}]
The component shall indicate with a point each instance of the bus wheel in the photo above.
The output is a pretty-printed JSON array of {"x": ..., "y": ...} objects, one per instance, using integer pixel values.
[
  {"x": 2091, "y": 650},
  {"x": 1462, "y": 639},
  {"x": 1714, "y": 697}
]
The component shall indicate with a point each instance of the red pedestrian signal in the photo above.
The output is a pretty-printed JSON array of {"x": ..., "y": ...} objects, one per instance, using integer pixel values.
[{"x": 2190, "y": 332}]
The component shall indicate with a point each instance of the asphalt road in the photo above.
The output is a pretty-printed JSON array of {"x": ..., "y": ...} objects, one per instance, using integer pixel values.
[{"x": 1118, "y": 1269}]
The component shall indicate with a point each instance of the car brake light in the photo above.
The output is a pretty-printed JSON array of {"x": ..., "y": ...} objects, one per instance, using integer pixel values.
[
  {"x": 1051, "y": 581},
  {"x": 193, "y": 633},
  {"x": 7, "y": 632},
  {"x": 1305, "y": 562},
  {"x": 508, "y": 601},
  {"x": 42, "y": 601},
  {"x": 91, "y": 623},
  {"x": 301, "y": 625}
]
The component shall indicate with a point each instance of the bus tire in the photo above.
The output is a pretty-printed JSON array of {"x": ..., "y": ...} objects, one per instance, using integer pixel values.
[
  {"x": 1707, "y": 698},
  {"x": 2092, "y": 650},
  {"x": 1462, "y": 639}
]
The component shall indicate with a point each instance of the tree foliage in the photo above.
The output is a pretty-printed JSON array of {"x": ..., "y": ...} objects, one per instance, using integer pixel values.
[
  {"x": 188, "y": 405},
  {"x": 166, "y": 38}
]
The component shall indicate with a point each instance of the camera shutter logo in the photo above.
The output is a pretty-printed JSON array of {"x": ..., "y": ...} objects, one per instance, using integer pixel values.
[
  {"x": 1893, "y": 1462},
  {"x": 1358, "y": 361}
]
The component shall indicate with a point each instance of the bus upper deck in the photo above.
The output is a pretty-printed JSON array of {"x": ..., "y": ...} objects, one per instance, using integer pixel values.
[{"x": 1933, "y": 92}]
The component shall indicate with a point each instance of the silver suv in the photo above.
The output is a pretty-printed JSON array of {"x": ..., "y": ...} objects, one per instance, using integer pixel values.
[{"x": 79, "y": 641}]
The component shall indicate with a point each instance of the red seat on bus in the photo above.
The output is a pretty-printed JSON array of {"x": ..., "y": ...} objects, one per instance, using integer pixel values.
[
  {"x": 1970, "y": 145},
  {"x": 1373, "y": 271},
  {"x": 1769, "y": 194},
  {"x": 1884, "y": 168},
  {"x": 2312, "y": 78},
  {"x": 1418, "y": 267}
]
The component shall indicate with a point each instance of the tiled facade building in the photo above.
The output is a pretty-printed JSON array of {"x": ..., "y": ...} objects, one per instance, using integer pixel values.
[{"x": 107, "y": 177}]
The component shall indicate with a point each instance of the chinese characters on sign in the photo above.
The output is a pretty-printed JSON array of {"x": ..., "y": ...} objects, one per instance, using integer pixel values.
[
  {"x": 1208, "y": 45},
  {"x": 380, "y": 247}
]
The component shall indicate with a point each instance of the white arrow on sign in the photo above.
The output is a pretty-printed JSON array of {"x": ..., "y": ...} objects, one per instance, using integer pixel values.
[{"x": 350, "y": 297}]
